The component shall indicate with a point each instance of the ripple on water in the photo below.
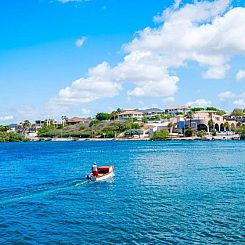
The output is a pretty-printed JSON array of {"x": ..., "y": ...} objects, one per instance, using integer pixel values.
[{"x": 163, "y": 192}]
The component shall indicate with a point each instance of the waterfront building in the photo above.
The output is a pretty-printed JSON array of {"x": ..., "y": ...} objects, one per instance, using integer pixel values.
[{"x": 209, "y": 120}]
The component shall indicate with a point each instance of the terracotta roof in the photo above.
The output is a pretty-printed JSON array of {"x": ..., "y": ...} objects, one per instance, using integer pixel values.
[
  {"x": 130, "y": 112},
  {"x": 75, "y": 119},
  {"x": 178, "y": 107}
]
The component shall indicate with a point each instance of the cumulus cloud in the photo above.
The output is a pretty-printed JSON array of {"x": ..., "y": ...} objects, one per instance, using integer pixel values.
[
  {"x": 169, "y": 99},
  {"x": 226, "y": 95},
  {"x": 239, "y": 102},
  {"x": 209, "y": 33},
  {"x": 6, "y": 118},
  {"x": 79, "y": 42},
  {"x": 85, "y": 111},
  {"x": 99, "y": 84},
  {"x": 199, "y": 103},
  {"x": 240, "y": 75}
]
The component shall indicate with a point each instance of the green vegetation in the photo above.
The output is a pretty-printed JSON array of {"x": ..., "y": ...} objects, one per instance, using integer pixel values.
[
  {"x": 4, "y": 128},
  {"x": 6, "y": 136},
  {"x": 218, "y": 111},
  {"x": 12, "y": 137},
  {"x": 201, "y": 133},
  {"x": 96, "y": 128},
  {"x": 210, "y": 108},
  {"x": 195, "y": 109},
  {"x": 189, "y": 132},
  {"x": 241, "y": 132},
  {"x": 238, "y": 112},
  {"x": 162, "y": 134},
  {"x": 103, "y": 116},
  {"x": 132, "y": 132},
  {"x": 166, "y": 116}
]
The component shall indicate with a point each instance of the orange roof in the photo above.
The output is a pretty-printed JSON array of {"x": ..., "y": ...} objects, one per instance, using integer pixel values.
[
  {"x": 75, "y": 119},
  {"x": 128, "y": 112}
]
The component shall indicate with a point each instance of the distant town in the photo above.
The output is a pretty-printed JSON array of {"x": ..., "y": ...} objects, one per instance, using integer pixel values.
[{"x": 174, "y": 122}]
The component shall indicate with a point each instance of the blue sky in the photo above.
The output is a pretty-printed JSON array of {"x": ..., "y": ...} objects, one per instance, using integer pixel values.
[{"x": 40, "y": 57}]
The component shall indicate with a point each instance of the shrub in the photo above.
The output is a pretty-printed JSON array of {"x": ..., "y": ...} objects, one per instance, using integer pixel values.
[
  {"x": 201, "y": 133},
  {"x": 189, "y": 132},
  {"x": 241, "y": 132},
  {"x": 161, "y": 134}
]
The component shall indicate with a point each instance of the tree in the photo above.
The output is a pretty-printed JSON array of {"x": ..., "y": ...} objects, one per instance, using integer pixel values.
[
  {"x": 102, "y": 116},
  {"x": 161, "y": 134},
  {"x": 197, "y": 109},
  {"x": 227, "y": 126},
  {"x": 144, "y": 119},
  {"x": 211, "y": 125},
  {"x": 166, "y": 116},
  {"x": 241, "y": 132},
  {"x": 135, "y": 126},
  {"x": 45, "y": 130},
  {"x": 94, "y": 122},
  {"x": 171, "y": 126},
  {"x": 4, "y": 128},
  {"x": 189, "y": 132},
  {"x": 237, "y": 112},
  {"x": 190, "y": 115}
]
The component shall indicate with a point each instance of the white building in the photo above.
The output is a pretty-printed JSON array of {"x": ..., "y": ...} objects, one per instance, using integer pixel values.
[
  {"x": 152, "y": 112},
  {"x": 175, "y": 110},
  {"x": 129, "y": 114}
]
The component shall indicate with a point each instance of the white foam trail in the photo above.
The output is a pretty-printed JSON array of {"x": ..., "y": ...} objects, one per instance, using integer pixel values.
[{"x": 41, "y": 193}]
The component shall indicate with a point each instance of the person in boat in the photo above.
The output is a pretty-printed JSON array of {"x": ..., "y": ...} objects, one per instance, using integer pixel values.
[{"x": 95, "y": 169}]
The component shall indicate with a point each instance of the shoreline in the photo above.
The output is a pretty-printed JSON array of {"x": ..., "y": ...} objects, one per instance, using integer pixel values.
[{"x": 207, "y": 138}]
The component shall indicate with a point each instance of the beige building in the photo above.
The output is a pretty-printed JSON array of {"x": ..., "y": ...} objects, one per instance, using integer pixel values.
[{"x": 206, "y": 120}]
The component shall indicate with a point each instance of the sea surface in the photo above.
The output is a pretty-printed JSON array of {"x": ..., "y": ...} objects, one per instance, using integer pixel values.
[{"x": 170, "y": 192}]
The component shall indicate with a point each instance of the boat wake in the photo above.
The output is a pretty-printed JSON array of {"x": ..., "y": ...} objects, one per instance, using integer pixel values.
[{"x": 42, "y": 192}]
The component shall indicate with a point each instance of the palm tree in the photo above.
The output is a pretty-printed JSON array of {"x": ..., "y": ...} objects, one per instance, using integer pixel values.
[
  {"x": 227, "y": 126},
  {"x": 171, "y": 125},
  {"x": 211, "y": 125},
  {"x": 190, "y": 115},
  {"x": 26, "y": 126}
]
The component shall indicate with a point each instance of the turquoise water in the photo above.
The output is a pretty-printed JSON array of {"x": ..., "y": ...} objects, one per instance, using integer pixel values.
[{"x": 163, "y": 192}]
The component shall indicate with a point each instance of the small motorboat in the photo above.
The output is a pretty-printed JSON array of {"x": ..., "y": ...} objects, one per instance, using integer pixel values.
[{"x": 104, "y": 173}]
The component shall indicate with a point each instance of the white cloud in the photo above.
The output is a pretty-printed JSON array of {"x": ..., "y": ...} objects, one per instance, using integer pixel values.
[
  {"x": 199, "y": 103},
  {"x": 240, "y": 75},
  {"x": 85, "y": 111},
  {"x": 99, "y": 84},
  {"x": 209, "y": 33},
  {"x": 226, "y": 95},
  {"x": 6, "y": 118},
  {"x": 169, "y": 99},
  {"x": 177, "y": 3},
  {"x": 79, "y": 42},
  {"x": 216, "y": 72},
  {"x": 239, "y": 102}
]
